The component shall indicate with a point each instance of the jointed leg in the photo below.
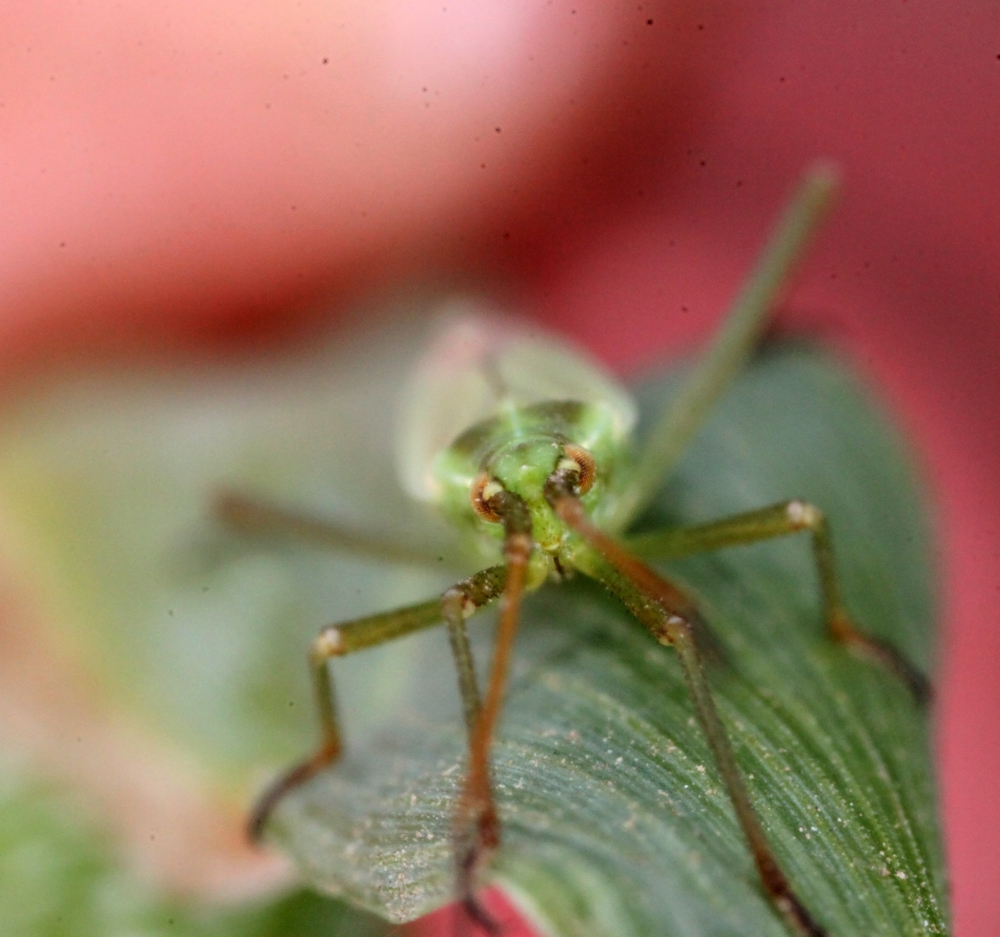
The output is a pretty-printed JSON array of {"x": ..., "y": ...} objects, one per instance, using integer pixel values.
[
  {"x": 670, "y": 618},
  {"x": 779, "y": 520},
  {"x": 337, "y": 640},
  {"x": 731, "y": 347},
  {"x": 250, "y": 515},
  {"x": 669, "y": 615},
  {"x": 477, "y": 826}
]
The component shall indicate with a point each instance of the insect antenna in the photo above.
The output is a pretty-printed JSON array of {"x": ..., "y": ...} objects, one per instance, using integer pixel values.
[
  {"x": 490, "y": 369},
  {"x": 477, "y": 827}
]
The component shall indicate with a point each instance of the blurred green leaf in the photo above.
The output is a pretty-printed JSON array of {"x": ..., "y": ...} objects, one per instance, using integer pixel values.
[
  {"x": 106, "y": 488},
  {"x": 614, "y": 820},
  {"x": 61, "y": 877}
]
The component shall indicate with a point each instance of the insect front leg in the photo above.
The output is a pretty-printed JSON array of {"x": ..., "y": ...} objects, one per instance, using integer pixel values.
[
  {"x": 338, "y": 640},
  {"x": 670, "y": 617},
  {"x": 477, "y": 825},
  {"x": 779, "y": 520}
]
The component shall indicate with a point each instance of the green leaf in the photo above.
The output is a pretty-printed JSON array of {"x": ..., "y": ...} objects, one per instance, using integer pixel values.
[
  {"x": 106, "y": 486},
  {"x": 614, "y": 819},
  {"x": 60, "y": 876}
]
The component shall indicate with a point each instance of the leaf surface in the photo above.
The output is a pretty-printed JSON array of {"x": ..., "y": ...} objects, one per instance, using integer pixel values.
[{"x": 615, "y": 822}]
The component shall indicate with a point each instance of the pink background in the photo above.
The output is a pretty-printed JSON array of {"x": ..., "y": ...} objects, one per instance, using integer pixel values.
[{"x": 187, "y": 179}]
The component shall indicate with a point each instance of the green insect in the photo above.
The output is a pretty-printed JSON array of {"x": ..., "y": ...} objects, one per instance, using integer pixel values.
[{"x": 526, "y": 448}]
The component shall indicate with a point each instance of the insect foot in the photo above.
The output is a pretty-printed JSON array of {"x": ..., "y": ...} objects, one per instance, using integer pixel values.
[
  {"x": 477, "y": 835},
  {"x": 293, "y": 778},
  {"x": 784, "y": 899},
  {"x": 885, "y": 655}
]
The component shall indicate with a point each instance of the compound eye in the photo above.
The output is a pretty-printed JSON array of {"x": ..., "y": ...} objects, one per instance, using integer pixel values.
[
  {"x": 577, "y": 461},
  {"x": 483, "y": 490}
]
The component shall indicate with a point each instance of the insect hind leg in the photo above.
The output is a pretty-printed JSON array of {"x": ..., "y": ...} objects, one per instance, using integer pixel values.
[{"x": 733, "y": 345}]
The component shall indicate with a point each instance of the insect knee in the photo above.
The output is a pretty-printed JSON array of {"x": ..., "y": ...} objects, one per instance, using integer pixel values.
[
  {"x": 329, "y": 643},
  {"x": 804, "y": 516}
]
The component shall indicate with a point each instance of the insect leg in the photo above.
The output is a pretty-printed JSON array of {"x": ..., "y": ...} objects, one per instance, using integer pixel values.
[
  {"x": 669, "y": 616},
  {"x": 250, "y": 515},
  {"x": 337, "y": 640},
  {"x": 477, "y": 826},
  {"x": 778, "y": 520},
  {"x": 731, "y": 347}
]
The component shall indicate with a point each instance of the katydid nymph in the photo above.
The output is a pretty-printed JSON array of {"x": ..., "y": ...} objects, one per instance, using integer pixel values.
[{"x": 526, "y": 448}]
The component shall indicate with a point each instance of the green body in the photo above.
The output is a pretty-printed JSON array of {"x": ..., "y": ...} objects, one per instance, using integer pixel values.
[{"x": 519, "y": 448}]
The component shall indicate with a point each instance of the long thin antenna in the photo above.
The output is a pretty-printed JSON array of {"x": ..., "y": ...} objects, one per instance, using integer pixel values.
[{"x": 733, "y": 344}]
